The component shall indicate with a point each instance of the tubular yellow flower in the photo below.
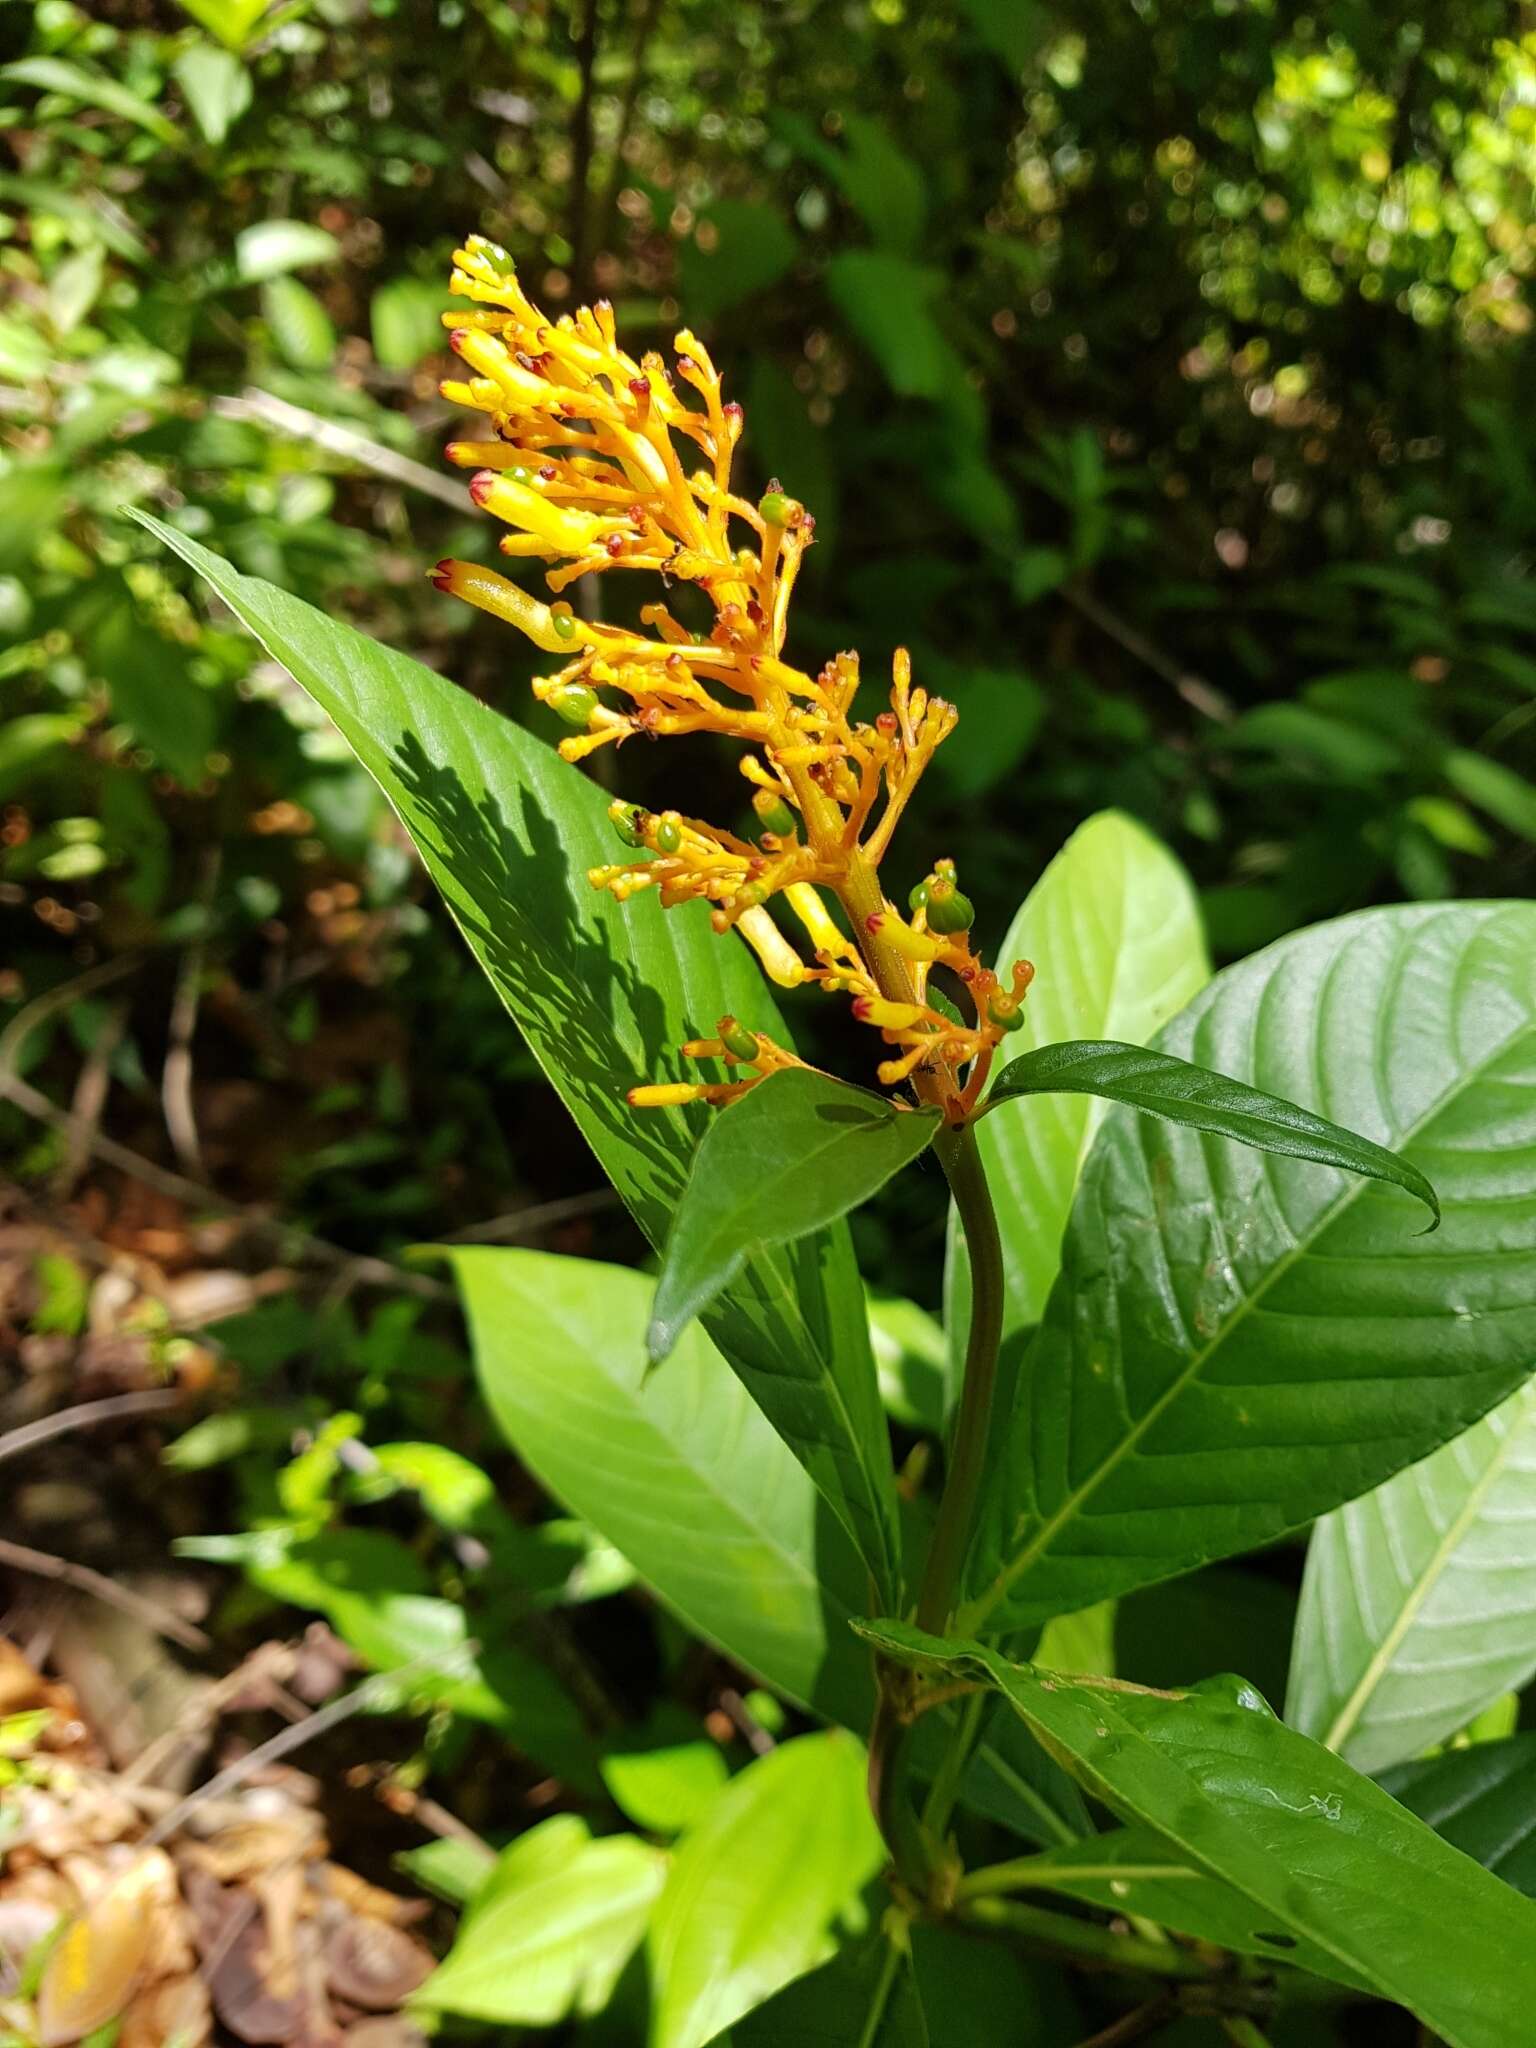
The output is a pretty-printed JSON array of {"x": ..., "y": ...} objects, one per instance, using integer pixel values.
[{"x": 598, "y": 461}]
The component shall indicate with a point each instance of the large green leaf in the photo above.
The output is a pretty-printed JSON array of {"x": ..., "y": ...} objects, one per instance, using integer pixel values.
[
  {"x": 551, "y": 1928},
  {"x": 795, "y": 1154},
  {"x": 604, "y": 995},
  {"x": 1114, "y": 931},
  {"x": 1327, "y": 1855},
  {"x": 1419, "y": 1602},
  {"x": 1239, "y": 1343},
  {"x": 1160, "y": 1085},
  {"x": 757, "y": 1887},
  {"x": 676, "y": 1466},
  {"x": 1483, "y": 1799}
]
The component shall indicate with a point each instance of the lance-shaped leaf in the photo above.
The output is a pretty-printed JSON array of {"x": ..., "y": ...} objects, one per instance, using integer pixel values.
[
  {"x": 1326, "y": 1854},
  {"x": 1482, "y": 1799},
  {"x": 604, "y": 995},
  {"x": 1181, "y": 1093},
  {"x": 1419, "y": 1601},
  {"x": 1115, "y": 928},
  {"x": 795, "y": 1154},
  {"x": 867, "y": 1995},
  {"x": 1240, "y": 1342}
]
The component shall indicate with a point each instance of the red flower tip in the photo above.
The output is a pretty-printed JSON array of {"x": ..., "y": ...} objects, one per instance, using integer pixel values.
[
  {"x": 874, "y": 921},
  {"x": 442, "y": 576},
  {"x": 457, "y": 339},
  {"x": 481, "y": 485},
  {"x": 861, "y": 1008}
]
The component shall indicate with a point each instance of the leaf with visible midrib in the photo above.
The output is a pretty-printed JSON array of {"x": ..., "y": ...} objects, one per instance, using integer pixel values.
[
  {"x": 1237, "y": 1342},
  {"x": 796, "y": 1153},
  {"x": 1181, "y": 1093},
  {"x": 1114, "y": 929},
  {"x": 1327, "y": 1855},
  {"x": 1482, "y": 1799},
  {"x": 604, "y": 995},
  {"x": 1419, "y": 1601}
]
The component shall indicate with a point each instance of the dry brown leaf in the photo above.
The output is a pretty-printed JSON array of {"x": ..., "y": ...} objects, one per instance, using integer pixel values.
[
  {"x": 375, "y": 1966},
  {"x": 176, "y": 2010},
  {"x": 102, "y": 1956}
]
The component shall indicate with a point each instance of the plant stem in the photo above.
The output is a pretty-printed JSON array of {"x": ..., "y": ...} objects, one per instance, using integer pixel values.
[
  {"x": 1241, "y": 2030},
  {"x": 961, "y": 1160},
  {"x": 1084, "y": 1938}
]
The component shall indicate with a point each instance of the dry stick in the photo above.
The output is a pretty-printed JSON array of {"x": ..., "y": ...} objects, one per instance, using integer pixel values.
[
  {"x": 262, "y": 409},
  {"x": 176, "y": 1074},
  {"x": 148, "y": 1401},
  {"x": 537, "y": 1216},
  {"x": 581, "y": 151},
  {"x": 608, "y": 204},
  {"x": 43, "y": 1565},
  {"x": 90, "y": 1099},
  {"x": 1204, "y": 697}
]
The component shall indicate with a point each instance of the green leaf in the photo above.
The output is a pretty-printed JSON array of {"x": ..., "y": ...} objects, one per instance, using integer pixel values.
[
  {"x": 676, "y": 1466},
  {"x": 451, "y": 1867},
  {"x": 797, "y": 1152},
  {"x": 668, "y": 1788},
  {"x": 270, "y": 248},
  {"x": 216, "y": 87},
  {"x": 910, "y": 1351},
  {"x": 1505, "y": 795},
  {"x": 1081, "y": 1642},
  {"x": 756, "y": 1888},
  {"x": 1482, "y": 1800},
  {"x": 1253, "y": 1803},
  {"x": 866, "y": 1997},
  {"x": 1239, "y": 1343},
  {"x": 301, "y": 327},
  {"x": 232, "y": 21},
  {"x": 551, "y": 1929},
  {"x": 1419, "y": 1603},
  {"x": 1115, "y": 928},
  {"x": 91, "y": 89},
  {"x": 1137, "y": 1871},
  {"x": 885, "y": 299},
  {"x": 736, "y": 249},
  {"x": 405, "y": 317},
  {"x": 1160, "y": 1085},
  {"x": 603, "y": 994}
]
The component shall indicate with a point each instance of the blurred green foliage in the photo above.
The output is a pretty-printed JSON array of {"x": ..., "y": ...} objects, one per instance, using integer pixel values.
[{"x": 1156, "y": 375}]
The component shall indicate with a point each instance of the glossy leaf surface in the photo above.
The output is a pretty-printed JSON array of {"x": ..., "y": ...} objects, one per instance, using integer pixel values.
[
  {"x": 1419, "y": 1603},
  {"x": 1114, "y": 928},
  {"x": 1160, "y": 1085},
  {"x": 796, "y": 1153},
  {"x": 603, "y": 994},
  {"x": 1239, "y": 1342},
  {"x": 1333, "y": 1859},
  {"x": 1482, "y": 1799},
  {"x": 756, "y": 1888}
]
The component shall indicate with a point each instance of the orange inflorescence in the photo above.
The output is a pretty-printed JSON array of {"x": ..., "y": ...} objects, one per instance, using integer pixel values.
[{"x": 596, "y": 461}]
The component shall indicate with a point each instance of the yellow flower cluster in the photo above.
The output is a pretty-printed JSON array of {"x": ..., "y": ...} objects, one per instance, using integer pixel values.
[{"x": 596, "y": 461}]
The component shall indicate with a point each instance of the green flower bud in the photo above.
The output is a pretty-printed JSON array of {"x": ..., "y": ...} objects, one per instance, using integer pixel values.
[
  {"x": 749, "y": 897},
  {"x": 669, "y": 832},
  {"x": 949, "y": 909},
  {"x": 563, "y": 623},
  {"x": 737, "y": 1039},
  {"x": 1005, "y": 1012},
  {"x": 918, "y": 900},
  {"x": 775, "y": 814},
  {"x": 626, "y": 821},
  {"x": 575, "y": 703},
  {"x": 777, "y": 508}
]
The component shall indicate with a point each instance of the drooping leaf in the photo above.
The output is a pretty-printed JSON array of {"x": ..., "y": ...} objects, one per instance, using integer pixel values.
[
  {"x": 675, "y": 1466},
  {"x": 737, "y": 248},
  {"x": 300, "y": 325},
  {"x": 1482, "y": 1799},
  {"x": 603, "y": 995},
  {"x": 93, "y": 89},
  {"x": 756, "y": 1888},
  {"x": 1238, "y": 1343},
  {"x": 1160, "y": 1085},
  {"x": 1114, "y": 929},
  {"x": 405, "y": 319},
  {"x": 1419, "y": 1602},
  {"x": 1499, "y": 790},
  {"x": 1257, "y": 1805},
  {"x": 798, "y": 1152},
  {"x": 550, "y": 1929},
  {"x": 886, "y": 301},
  {"x": 666, "y": 1788}
]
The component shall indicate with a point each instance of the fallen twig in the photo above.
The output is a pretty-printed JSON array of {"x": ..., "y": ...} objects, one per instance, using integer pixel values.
[{"x": 43, "y": 1565}]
